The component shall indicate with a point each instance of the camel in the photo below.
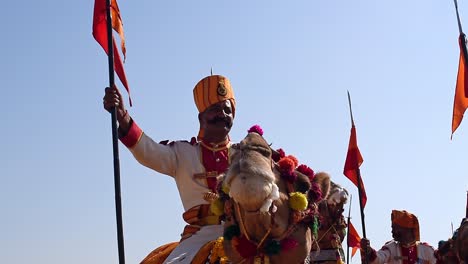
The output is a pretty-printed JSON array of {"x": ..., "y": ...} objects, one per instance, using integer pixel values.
[
  {"x": 455, "y": 249},
  {"x": 270, "y": 207},
  {"x": 332, "y": 231}
]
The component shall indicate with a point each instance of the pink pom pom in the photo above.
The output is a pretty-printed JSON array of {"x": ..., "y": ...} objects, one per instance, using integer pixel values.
[
  {"x": 288, "y": 244},
  {"x": 257, "y": 129},
  {"x": 278, "y": 154},
  {"x": 304, "y": 169}
]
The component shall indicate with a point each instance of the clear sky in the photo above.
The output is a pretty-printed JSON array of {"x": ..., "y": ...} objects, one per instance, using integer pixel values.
[{"x": 290, "y": 63}]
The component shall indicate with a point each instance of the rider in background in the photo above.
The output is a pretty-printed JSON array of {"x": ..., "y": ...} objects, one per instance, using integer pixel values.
[
  {"x": 195, "y": 165},
  {"x": 405, "y": 248}
]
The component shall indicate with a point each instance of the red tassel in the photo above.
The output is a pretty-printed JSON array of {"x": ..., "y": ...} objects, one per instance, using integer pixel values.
[{"x": 245, "y": 247}]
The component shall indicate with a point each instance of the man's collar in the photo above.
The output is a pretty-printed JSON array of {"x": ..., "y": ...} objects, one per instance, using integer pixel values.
[{"x": 216, "y": 146}]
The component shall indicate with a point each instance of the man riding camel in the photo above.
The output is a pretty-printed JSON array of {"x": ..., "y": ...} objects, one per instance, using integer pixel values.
[
  {"x": 405, "y": 248},
  {"x": 195, "y": 165}
]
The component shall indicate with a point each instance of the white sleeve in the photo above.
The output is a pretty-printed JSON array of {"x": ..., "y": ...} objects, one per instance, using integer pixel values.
[
  {"x": 384, "y": 255},
  {"x": 159, "y": 157}
]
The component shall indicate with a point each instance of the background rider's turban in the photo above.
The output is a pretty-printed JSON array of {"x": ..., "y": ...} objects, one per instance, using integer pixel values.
[
  {"x": 407, "y": 220},
  {"x": 211, "y": 90}
]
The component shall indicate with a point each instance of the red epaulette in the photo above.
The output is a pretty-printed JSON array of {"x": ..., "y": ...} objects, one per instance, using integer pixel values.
[
  {"x": 384, "y": 247},
  {"x": 164, "y": 142},
  {"x": 192, "y": 141}
]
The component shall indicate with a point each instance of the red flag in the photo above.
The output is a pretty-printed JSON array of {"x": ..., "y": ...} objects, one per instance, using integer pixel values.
[
  {"x": 100, "y": 34},
  {"x": 352, "y": 164},
  {"x": 354, "y": 239},
  {"x": 461, "y": 91}
]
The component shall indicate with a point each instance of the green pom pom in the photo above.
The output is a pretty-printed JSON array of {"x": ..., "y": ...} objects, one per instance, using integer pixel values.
[
  {"x": 298, "y": 201},
  {"x": 272, "y": 247},
  {"x": 231, "y": 231},
  {"x": 315, "y": 227},
  {"x": 217, "y": 207}
]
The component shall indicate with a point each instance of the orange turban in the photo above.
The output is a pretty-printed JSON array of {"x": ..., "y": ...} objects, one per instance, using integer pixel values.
[
  {"x": 406, "y": 220},
  {"x": 211, "y": 90}
]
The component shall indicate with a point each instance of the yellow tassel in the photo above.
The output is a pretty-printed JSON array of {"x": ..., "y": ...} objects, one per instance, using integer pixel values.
[
  {"x": 217, "y": 207},
  {"x": 298, "y": 201},
  {"x": 225, "y": 189}
]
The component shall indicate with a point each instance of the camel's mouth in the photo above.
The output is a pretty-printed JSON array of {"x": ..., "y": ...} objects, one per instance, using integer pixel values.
[
  {"x": 251, "y": 178},
  {"x": 253, "y": 192}
]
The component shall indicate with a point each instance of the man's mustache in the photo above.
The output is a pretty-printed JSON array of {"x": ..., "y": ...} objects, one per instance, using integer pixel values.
[{"x": 220, "y": 119}]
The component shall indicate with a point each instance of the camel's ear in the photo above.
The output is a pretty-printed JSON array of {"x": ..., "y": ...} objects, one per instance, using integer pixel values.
[
  {"x": 302, "y": 183},
  {"x": 323, "y": 180}
]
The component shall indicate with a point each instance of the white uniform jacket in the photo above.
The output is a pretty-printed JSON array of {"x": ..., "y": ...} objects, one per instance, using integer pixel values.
[{"x": 391, "y": 253}]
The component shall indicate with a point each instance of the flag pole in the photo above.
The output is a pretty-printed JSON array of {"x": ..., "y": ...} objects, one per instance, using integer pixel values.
[
  {"x": 115, "y": 141},
  {"x": 462, "y": 40},
  {"x": 358, "y": 172},
  {"x": 458, "y": 17},
  {"x": 460, "y": 30},
  {"x": 347, "y": 233},
  {"x": 466, "y": 212},
  {"x": 359, "y": 182}
]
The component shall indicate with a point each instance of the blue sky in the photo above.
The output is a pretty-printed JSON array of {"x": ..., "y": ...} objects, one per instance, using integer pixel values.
[{"x": 290, "y": 63}]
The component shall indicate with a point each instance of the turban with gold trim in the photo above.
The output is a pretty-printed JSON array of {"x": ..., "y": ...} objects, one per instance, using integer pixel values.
[
  {"x": 406, "y": 220},
  {"x": 211, "y": 90}
]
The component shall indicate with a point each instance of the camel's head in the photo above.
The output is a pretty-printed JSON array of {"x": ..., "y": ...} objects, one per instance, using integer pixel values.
[{"x": 250, "y": 178}]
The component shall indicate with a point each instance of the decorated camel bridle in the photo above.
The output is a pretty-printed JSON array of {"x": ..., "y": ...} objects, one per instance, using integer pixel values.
[{"x": 334, "y": 224}]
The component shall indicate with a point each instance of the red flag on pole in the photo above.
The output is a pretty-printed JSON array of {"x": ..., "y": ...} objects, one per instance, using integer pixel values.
[
  {"x": 100, "y": 34},
  {"x": 352, "y": 164},
  {"x": 354, "y": 239},
  {"x": 461, "y": 101}
]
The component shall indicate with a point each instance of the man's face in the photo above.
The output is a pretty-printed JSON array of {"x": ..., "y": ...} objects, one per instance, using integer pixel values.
[
  {"x": 402, "y": 234},
  {"x": 217, "y": 118}
]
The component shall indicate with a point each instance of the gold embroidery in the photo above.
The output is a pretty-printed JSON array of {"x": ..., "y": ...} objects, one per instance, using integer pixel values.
[
  {"x": 204, "y": 175},
  {"x": 210, "y": 196}
]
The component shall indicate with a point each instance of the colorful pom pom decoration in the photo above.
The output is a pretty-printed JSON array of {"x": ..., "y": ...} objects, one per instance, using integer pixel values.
[
  {"x": 231, "y": 231},
  {"x": 304, "y": 169},
  {"x": 217, "y": 207},
  {"x": 298, "y": 201},
  {"x": 257, "y": 129}
]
